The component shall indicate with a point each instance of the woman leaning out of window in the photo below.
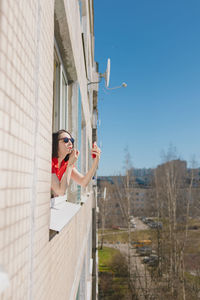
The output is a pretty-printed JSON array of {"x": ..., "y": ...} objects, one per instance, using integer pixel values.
[{"x": 64, "y": 157}]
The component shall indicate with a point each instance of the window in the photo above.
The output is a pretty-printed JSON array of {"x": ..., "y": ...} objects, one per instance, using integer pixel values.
[
  {"x": 64, "y": 102},
  {"x": 61, "y": 211},
  {"x": 56, "y": 92},
  {"x": 60, "y": 93},
  {"x": 79, "y": 141},
  {"x": 79, "y": 127},
  {"x": 80, "y": 9}
]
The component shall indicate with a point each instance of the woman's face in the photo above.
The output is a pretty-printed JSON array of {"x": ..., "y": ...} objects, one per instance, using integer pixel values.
[{"x": 63, "y": 147}]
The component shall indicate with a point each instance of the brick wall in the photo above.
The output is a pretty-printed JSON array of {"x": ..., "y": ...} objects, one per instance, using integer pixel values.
[
  {"x": 26, "y": 51},
  {"x": 37, "y": 268}
]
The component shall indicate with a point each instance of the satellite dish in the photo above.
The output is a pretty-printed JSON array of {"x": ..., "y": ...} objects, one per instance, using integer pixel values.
[
  {"x": 104, "y": 193},
  {"x": 106, "y": 75}
]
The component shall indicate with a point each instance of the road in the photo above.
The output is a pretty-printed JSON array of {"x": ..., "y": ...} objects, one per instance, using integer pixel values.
[
  {"x": 139, "y": 225},
  {"x": 139, "y": 272}
]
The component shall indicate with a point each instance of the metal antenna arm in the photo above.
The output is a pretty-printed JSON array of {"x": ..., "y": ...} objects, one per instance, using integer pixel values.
[
  {"x": 94, "y": 82},
  {"x": 117, "y": 87}
]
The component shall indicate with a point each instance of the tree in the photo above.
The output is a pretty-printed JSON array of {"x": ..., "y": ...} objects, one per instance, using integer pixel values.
[
  {"x": 123, "y": 189},
  {"x": 174, "y": 188}
]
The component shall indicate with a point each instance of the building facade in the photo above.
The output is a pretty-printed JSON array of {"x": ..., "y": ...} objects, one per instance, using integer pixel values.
[
  {"x": 137, "y": 199},
  {"x": 47, "y": 246}
]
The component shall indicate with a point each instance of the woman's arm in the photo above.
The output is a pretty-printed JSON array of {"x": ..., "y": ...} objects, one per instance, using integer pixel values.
[
  {"x": 81, "y": 179},
  {"x": 59, "y": 187}
]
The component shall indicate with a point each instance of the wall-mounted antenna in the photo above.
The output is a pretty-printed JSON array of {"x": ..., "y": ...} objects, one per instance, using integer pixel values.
[{"x": 106, "y": 76}]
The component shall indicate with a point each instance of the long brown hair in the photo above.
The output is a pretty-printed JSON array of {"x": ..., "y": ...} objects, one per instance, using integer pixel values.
[{"x": 55, "y": 139}]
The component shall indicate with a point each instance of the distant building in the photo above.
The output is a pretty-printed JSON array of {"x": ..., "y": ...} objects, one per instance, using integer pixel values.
[
  {"x": 184, "y": 185},
  {"x": 116, "y": 198},
  {"x": 138, "y": 201},
  {"x": 47, "y": 247}
]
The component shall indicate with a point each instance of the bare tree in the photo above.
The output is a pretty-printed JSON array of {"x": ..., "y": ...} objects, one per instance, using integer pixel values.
[
  {"x": 174, "y": 199},
  {"x": 103, "y": 213},
  {"x": 168, "y": 179},
  {"x": 123, "y": 190},
  {"x": 174, "y": 195}
]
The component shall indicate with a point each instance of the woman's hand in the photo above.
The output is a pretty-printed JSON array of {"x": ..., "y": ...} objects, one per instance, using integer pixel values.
[
  {"x": 83, "y": 180},
  {"x": 73, "y": 157},
  {"x": 96, "y": 152}
]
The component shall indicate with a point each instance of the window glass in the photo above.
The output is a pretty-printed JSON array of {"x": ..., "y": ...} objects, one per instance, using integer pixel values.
[
  {"x": 56, "y": 93},
  {"x": 64, "y": 112},
  {"x": 63, "y": 102},
  {"x": 80, "y": 9},
  {"x": 78, "y": 293},
  {"x": 60, "y": 94},
  {"x": 79, "y": 128},
  {"x": 79, "y": 141}
]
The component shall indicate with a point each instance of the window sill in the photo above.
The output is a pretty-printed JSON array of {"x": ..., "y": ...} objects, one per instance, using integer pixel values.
[
  {"x": 89, "y": 290},
  {"x": 4, "y": 280},
  {"x": 61, "y": 213},
  {"x": 91, "y": 265},
  {"x": 84, "y": 198}
]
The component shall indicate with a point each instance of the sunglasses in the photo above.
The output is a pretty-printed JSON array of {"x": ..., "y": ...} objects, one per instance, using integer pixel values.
[{"x": 66, "y": 140}]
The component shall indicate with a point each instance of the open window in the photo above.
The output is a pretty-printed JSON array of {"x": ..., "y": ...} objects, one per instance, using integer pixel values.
[
  {"x": 60, "y": 93},
  {"x": 68, "y": 115},
  {"x": 67, "y": 112},
  {"x": 60, "y": 209}
]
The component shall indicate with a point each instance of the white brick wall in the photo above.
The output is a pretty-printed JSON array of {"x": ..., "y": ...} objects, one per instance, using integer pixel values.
[{"x": 37, "y": 268}]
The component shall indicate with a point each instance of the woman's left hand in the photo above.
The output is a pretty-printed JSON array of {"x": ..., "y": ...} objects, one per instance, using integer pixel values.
[
  {"x": 73, "y": 157},
  {"x": 96, "y": 152}
]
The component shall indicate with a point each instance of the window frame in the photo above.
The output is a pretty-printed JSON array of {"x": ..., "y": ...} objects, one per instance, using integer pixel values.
[
  {"x": 60, "y": 120},
  {"x": 58, "y": 101}
]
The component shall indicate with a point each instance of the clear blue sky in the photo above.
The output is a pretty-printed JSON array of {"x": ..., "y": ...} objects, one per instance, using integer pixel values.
[{"x": 154, "y": 46}]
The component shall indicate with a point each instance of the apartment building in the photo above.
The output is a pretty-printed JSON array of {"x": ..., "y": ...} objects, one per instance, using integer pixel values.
[
  {"x": 113, "y": 209},
  {"x": 47, "y": 246}
]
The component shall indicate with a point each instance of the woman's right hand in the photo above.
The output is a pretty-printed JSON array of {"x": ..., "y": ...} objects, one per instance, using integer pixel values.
[{"x": 73, "y": 157}]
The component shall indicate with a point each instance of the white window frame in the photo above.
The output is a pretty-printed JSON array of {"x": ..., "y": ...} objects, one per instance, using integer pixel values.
[
  {"x": 56, "y": 95},
  {"x": 61, "y": 211},
  {"x": 62, "y": 122}
]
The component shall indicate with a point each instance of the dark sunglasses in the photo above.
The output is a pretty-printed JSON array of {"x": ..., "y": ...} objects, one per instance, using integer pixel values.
[{"x": 66, "y": 140}]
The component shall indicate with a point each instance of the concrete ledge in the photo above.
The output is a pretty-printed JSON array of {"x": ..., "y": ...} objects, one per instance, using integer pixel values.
[
  {"x": 4, "y": 280},
  {"x": 61, "y": 214}
]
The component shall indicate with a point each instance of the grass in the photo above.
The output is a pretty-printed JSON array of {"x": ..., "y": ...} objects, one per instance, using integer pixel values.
[
  {"x": 192, "y": 249},
  {"x": 191, "y": 256},
  {"x": 194, "y": 286},
  {"x": 194, "y": 221},
  {"x": 193, "y": 279},
  {"x": 109, "y": 230},
  {"x": 111, "y": 285},
  {"x": 122, "y": 237},
  {"x": 105, "y": 258}
]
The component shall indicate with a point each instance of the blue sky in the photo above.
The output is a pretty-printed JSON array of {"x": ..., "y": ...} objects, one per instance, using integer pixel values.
[{"x": 154, "y": 46}]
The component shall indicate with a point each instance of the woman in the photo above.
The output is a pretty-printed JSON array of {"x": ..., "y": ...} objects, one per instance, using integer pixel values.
[{"x": 64, "y": 157}]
